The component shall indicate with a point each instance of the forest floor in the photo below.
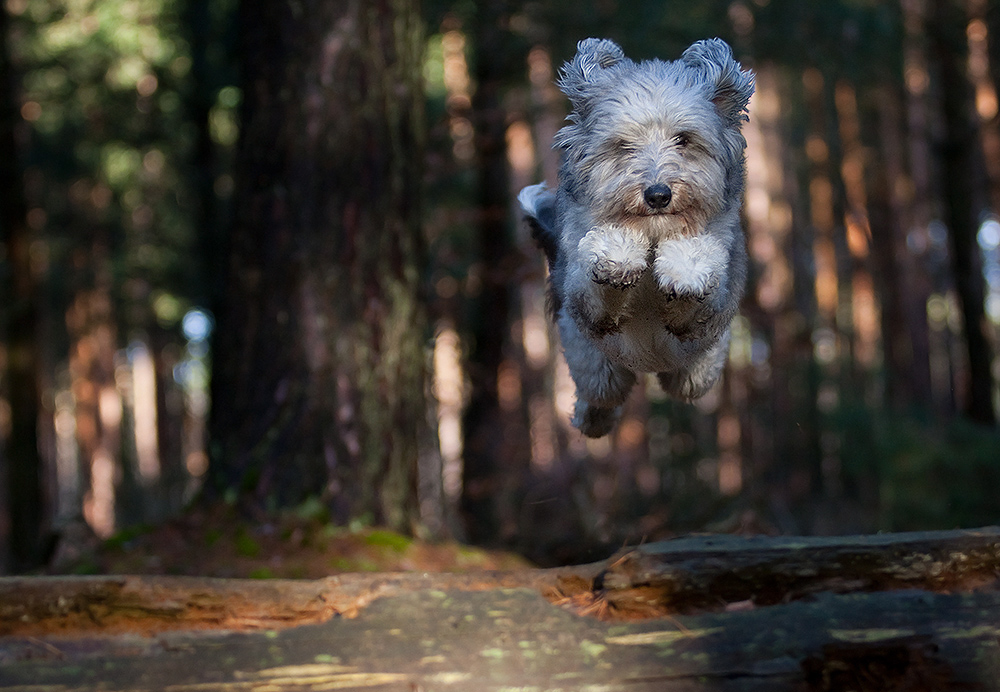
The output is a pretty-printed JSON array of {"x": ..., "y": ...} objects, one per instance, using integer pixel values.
[{"x": 220, "y": 542}]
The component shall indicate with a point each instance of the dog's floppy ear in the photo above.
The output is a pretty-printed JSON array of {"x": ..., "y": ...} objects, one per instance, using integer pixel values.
[
  {"x": 593, "y": 56},
  {"x": 713, "y": 60}
]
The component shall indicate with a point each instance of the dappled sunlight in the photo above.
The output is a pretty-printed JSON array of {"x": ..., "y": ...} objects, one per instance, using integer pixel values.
[
  {"x": 459, "y": 101},
  {"x": 449, "y": 392},
  {"x": 979, "y": 69},
  {"x": 143, "y": 392},
  {"x": 288, "y": 322},
  {"x": 99, "y": 500},
  {"x": 768, "y": 217}
]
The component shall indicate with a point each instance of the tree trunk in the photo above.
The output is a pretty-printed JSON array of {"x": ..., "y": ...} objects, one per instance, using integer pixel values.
[
  {"x": 22, "y": 505},
  {"x": 795, "y": 383},
  {"x": 721, "y": 613},
  {"x": 496, "y": 451},
  {"x": 901, "y": 282},
  {"x": 200, "y": 97},
  {"x": 319, "y": 360},
  {"x": 963, "y": 180}
]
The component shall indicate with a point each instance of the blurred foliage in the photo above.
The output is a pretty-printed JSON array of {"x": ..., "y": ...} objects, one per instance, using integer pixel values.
[
  {"x": 928, "y": 474},
  {"x": 107, "y": 90},
  {"x": 133, "y": 109}
]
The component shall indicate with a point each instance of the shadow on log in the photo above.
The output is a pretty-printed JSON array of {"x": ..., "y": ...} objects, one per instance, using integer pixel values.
[{"x": 916, "y": 611}]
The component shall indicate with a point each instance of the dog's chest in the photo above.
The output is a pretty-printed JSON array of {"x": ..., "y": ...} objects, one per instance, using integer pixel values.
[{"x": 657, "y": 334}]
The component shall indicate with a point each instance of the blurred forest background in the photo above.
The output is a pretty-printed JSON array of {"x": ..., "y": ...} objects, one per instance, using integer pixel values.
[{"x": 144, "y": 351}]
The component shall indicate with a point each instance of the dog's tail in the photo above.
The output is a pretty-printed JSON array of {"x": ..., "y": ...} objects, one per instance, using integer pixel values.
[{"x": 539, "y": 206}]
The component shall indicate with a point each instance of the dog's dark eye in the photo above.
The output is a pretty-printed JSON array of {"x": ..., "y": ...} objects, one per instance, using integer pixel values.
[{"x": 682, "y": 140}]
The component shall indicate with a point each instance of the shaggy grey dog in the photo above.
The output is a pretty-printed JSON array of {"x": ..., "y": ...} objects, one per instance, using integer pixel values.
[{"x": 647, "y": 259}]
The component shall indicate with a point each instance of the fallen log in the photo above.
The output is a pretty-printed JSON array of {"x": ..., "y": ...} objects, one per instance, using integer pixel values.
[{"x": 917, "y": 611}]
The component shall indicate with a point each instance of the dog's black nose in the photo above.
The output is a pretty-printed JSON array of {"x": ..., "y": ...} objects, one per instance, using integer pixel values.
[{"x": 657, "y": 196}]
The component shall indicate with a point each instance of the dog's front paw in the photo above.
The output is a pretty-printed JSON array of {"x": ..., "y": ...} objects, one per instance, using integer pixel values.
[
  {"x": 616, "y": 255},
  {"x": 690, "y": 268}
]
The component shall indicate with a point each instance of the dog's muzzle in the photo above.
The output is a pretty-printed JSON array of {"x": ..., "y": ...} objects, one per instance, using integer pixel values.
[{"x": 657, "y": 196}]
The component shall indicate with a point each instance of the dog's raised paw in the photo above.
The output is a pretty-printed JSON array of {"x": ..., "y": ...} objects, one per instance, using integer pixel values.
[
  {"x": 617, "y": 256},
  {"x": 617, "y": 274},
  {"x": 693, "y": 287},
  {"x": 690, "y": 268}
]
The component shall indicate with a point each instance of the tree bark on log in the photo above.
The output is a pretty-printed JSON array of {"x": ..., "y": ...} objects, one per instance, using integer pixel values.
[{"x": 914, "y": 611}]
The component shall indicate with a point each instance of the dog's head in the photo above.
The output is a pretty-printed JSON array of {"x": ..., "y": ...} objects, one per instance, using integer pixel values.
[{"x": 655, "y": 143}]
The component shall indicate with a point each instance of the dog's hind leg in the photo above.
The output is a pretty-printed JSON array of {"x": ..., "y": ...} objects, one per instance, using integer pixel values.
[
  {"x": 595, "y": 421},
  {"x": 694, "y": 380},
  {"x": 601, "y": 384}
]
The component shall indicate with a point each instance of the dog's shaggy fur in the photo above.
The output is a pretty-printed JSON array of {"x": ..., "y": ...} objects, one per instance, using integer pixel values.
[{"x": 647, "y": 259}]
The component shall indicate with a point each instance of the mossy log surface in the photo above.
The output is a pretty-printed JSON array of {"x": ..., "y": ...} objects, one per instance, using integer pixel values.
[{"x": 916, "y": 611}]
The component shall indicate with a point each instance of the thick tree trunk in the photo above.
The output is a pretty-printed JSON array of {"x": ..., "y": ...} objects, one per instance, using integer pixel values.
[
  {"x": 22, "y": 497},
  {"x": 885, "y": 612},
  {"x": 495, "y": 449},
  {"x": 319, "y": 367}
]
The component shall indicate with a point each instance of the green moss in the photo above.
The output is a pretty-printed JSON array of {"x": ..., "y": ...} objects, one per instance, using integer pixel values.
[
  {"x": 212, "y": 537},
  {"x": 388, "y": 539},
  {"x": 341, "y": 564},
  {"x": 246, "y": 545},
  {"x": 126, "y": 535},
  {"x": 313, "y": 509},
  {"x": 86, "y": 567},
  {"x": 367, "y": 566},
  {"x": 591, "y": 650}
]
